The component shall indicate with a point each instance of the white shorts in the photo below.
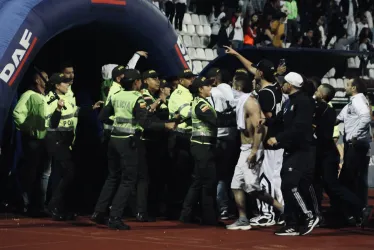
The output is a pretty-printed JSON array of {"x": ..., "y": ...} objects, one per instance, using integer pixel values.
[{"x": 245, "y": 178}]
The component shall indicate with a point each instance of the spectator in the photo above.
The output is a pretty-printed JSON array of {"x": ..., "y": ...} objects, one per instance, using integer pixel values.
[
  {"x": 170, "y": 10},
  {"x": 250, "y": 31},
  {"x": 336, "y": 25},
  {"x": 271, "y": 8},
  {"x": 215, "y": 21},
  {"x": 180, "y": 9},
  {"x": 292, "y": 10},
  {"x": 237, "y": 41},
  {"x": 223, "y": 39},
  {"x": 308, "y": 39},
  {"x": 277, "y": 28}
]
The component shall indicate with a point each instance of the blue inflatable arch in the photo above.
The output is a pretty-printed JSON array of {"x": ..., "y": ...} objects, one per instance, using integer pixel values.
[{"x": 26, "y": 25}]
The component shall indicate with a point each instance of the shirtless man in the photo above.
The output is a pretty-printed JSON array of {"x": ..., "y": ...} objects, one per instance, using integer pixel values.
[{"x": 246, "y": 177}]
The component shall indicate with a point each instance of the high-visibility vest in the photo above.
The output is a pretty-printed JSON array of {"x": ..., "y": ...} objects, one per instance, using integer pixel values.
[
  {"x": 180, "y": 102},
  {"x": 124, "y": 121},
  {"x": 200, "y": 128}
]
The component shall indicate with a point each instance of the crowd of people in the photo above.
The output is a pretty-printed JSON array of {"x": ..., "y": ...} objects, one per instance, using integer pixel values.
[{"x": 266, "y": 134}]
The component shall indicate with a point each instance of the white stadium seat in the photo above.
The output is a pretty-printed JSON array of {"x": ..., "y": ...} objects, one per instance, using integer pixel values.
[
  {"x": 207, "y": 30},
  {"x": 209, "y": 54},
  {"x": 325, "y": 80},
  {"x": 204, "y": 41},
  {"x": 345, "y": 80},
  {"x": 197, "y": 67},
  {"x": 192, "y": 53},
  {"x": 200, "y": 54},
  {"x": 196, "y": 42},
  {"x": 351, "y": 63},
  {"x": 333, "y": 82},
  {"x": 195, "y": 19},
  {"x": 358, "y": 62},
  {"x": 340, "y": 83},
  {"x": 200, "y": 30},
  {"x": 187, "y": 19},
  {"x": 187, "y": 41},
  {"x": 204, "y": 64},
  {"x": 215, "y": 53},
  {"x": 203, "y": 20},
  {"x": 371, "y": 73},
  {"x": 191, "y": 30},
  {"x": 184, "y": 29}
]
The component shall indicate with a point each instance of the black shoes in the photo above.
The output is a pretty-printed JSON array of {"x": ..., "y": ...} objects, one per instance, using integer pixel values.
[
  {"x": 366, "y": 213},
  {"x": 98, "y": 218},
  {"x": 288, "y": 231},
  {"x": 116, "y": 223},
  {"x": 309, "y": 225},
  {"x": 142, "y": 217}
]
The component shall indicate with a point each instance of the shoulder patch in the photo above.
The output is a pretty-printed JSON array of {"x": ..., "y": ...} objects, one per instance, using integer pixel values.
[
  {"x": 204, "y": 107},
  {"x": 143, "y": 105},
  {"x": 147, "y": 97}
]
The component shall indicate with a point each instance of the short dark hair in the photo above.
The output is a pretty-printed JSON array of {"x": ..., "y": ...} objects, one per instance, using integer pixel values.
[
  {"x": 329, "y": 92},
  {"x": 308, "y": 86},
  {"x": 66, "y": 64},
  {"x": 245, "y": 83},
  {"x": 360, "y": 85}
]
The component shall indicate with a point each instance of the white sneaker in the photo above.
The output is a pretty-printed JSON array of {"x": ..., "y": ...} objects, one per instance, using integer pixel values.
[
  {"x": 239, "y": 225},
  {"x": 262, "y": 221}
]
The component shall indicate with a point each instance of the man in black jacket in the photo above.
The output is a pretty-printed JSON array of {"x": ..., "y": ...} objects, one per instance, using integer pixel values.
[{"x": 296, "y": 139}]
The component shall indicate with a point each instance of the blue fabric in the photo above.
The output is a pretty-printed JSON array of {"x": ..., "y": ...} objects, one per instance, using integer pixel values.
[{"x": 44, "y": 19}]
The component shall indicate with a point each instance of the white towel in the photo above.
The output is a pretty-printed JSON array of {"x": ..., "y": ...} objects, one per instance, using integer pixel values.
[
  {"x": 240, "y": 120},
  {"x": 106, "y": 71}
]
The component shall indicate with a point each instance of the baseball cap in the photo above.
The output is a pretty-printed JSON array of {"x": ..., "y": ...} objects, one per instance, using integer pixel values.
[
  {"x": 131, "y": 75},
  {"x": 294, "y": 79},
  {"x": 267, "y": 69},
  {"x": 198, "y": 83},
  {"x": 241, "y": 72},
  {"x": 186, "y": 73},
  {"x": 58, "y": 78},
  {"x": 165, "y": 84},
  {"x": 212, "y": 72},
  {"x": 150, "y": 74},
  {"x": 117, "y": 71}
]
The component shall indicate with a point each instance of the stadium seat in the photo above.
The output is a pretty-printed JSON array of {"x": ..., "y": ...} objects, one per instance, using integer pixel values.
[
  {"x": 200, "y": 54},
  {"x": 358, "y": 62},
  {"x": 184, "y": 29},
  {"x": 203, "y": 20},
  {"x": 325, "y": 81},
  {"x": 340, "y": 83},
  {"x": 192, "y": 53},
  {"x": 215, "y": 53},
  {"x": 340, "y": 94},
  {"x": 371, "y": 73},
  {"x": 200, "y": 30},
  {"x": 197, "y": 67},
  {"x": 209, "y": 54},
  {"x": 195, "y": 19},
  {"x": 191, "y": 30},
  {"x": 345, "y": 80},
  {"x": 187, "y": 19},
  {"x": 204, "y": 64},
  {"x": 207, "y": 30},
  {"x": 351, "y": 63},
  {"x": 187, "y": 41},
  {"x": 204, "y": 41},
  {"x": 332, "y": 82},
  {"x": 196, "y": 42}
]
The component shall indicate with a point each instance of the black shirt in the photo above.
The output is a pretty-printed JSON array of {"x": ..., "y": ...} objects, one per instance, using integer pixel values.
[
  {"x": 270, "y": 99},
  {"x": 297, "y": 119}
]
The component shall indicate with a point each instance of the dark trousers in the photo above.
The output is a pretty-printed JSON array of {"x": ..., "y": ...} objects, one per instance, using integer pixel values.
[
  {"x": 327, "y": 179},
  {"x": 35, "y": 159},
  {"x": 203, "y": 187},
  {"x": 297, "y": 177},
  {"x": 292, "y": 30},
  {"x": 181, "y": 167},
  {"x": 120, "y": 183},
  {"x": 142, "y": 177},
  {"x": 180, "y": 9},
  {"x": 354, "y": 173},
  {"x": 157, "y": 161},
  {"x": 170, "y": 10},
  {"x": 213, "y": 41},
  {"x": 63, "y": 169}
]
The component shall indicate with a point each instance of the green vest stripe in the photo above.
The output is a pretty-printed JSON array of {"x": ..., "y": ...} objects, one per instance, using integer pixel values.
[{"x": 199, "y": 128}]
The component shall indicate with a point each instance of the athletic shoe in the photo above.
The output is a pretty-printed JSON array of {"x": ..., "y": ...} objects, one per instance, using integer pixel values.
[
  {"x": 224, "y": 215},
  {"x": 287, "y": 231},
  {"x": 310, "y": 223},
  {"x": 262, "y": 221},
  {"x": 239, "y": 225},
  {"x": 280, "y": 220},
  {"x": 366, "y": 212}
]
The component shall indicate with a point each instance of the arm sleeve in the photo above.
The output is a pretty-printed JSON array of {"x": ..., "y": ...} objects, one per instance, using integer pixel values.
[
  {"x": 364, "y": 118},
  {"x": 144, "y": 119},
  {"x": 20, "y": 111},
  {"x": 342, "y": 113},
  {"x": 185, "y": 112},
  {"x": 205, "y": 114},
  {"x": 301, "y": 123},
  {"x": 55, "y": 119},
  {"x": 106, "y": 112},
  {"x": 326, "y": 130},
  {"x": 266, "y": 100},
  {"x": 133, "y": 61}
]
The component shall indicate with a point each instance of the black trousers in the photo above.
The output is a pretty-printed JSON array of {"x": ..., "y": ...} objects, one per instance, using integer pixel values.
[
  {"x": 297, "y": 177},
  {"x": 63, "y": 169},
  {"x": 180, "y": 9},
  {"x": 204, "y": 185},
  {"x": 181, "y": 168},
  {"x": 354, "y": 173},
  {"x": 121, "y": 181},
  {"x": 142, "y": 180},
  {"x": 35, "y": 158},
  {"x": 170, "y": 10}
]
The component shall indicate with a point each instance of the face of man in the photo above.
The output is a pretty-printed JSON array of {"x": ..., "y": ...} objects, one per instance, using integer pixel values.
[
  {"x": 153, "y": 83},
  {"x": 40, "y": 80},
  {"x": 166, "y": 91},
  {"x": 63, "y": 87},
  {"x": 69, "y": 73},
  {"x": 187, "y": 82},
  {"x": 349, "y": 90},
  {"x": 258, "y": 74},
  {"x": 138, "y": 85},
  {"x": 286, "y": 88},
  {"x": 205, "y": 91},
  {"x": 319, "y": 93}
]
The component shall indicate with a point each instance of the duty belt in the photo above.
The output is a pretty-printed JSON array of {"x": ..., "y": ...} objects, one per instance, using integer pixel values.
[{"x": 62, "y": 129}]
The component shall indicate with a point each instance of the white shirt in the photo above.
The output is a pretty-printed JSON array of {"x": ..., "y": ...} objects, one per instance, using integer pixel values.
[
  {"x": 181, "y": 1},
  {"x": 238, "y": 30},
  {"x": 216, "y": 22},
  {"x": 226, "y": 91},
  {"x": 356, "y": 118},
  {"x": 218, "y": 101}
]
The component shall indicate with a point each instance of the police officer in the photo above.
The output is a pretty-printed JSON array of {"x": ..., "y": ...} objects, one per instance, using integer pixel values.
[
  {"x": 155, "y": 143},
  {"x": 60, "y": 125},
  {"x": 205, "y": 121},
  {"x": 131, "y": 117}
]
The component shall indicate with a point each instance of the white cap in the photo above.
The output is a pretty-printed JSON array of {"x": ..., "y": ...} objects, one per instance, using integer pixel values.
[{"x": 294, "y": 79}]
